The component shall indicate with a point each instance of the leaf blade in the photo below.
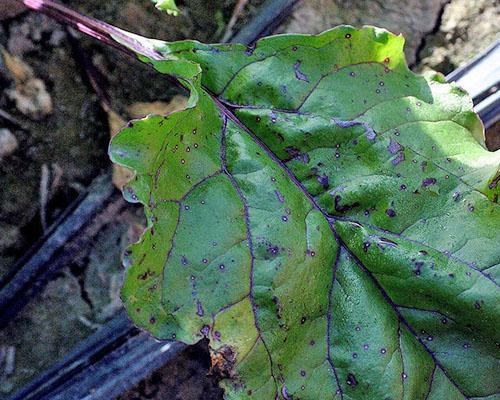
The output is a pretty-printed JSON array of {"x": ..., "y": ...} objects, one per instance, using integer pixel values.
[{"x": 316, "y": 153}]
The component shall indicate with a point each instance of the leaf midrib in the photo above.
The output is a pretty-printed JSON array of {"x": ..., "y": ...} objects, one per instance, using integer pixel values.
[{"x": 330, "y": 220}]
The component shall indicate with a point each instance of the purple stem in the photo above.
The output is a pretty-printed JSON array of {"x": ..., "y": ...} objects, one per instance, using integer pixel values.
[{"x": 100, "y": 30}]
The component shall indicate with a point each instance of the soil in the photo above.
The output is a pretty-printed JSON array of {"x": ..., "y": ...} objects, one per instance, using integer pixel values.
[
  {"x": 317, "y": 15},
  {"x": 184, "y": 378},
  {"x": 51, "y": 156}
]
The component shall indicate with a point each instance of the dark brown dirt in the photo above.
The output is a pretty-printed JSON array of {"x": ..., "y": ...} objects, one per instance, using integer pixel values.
[{"x": 187, "y": 377}]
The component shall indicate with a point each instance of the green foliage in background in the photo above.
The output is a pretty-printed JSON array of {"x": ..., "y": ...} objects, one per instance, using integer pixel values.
[
  {"x": 327, "y": 218},
  {"x": 167, "y": 5}
]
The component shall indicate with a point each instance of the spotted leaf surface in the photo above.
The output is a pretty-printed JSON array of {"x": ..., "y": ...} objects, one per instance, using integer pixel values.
[{"x": 325, "y": 217}]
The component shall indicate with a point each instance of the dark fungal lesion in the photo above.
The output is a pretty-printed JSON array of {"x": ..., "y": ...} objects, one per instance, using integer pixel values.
[
  {"x": 298, "y": 73},
  {"x": 428, "y": 182},
  {"x": 351, "y": 380},
  {"x": 390, "y": 213},
  {"x": 343, "y": 208}
]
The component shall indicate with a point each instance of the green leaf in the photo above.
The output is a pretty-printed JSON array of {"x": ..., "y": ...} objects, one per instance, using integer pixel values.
[
  {"x": 167, "y": 5},
  {"x": 327, "y": 218}
]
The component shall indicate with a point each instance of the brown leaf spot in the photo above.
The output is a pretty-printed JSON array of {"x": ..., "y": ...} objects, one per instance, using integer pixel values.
[{"x": 223, "y": 362}]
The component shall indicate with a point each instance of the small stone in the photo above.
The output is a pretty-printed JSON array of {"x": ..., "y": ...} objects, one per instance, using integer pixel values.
[{"x": 8, "y": 143}]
